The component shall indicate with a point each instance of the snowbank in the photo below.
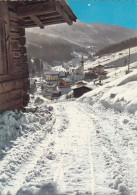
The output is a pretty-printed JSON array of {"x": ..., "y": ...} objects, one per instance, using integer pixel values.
[
  {"x": 10, "y": 128},
  {"x": 13, "y": 124},
  {"x": 127, "y": 78},
  {"x": 122, "y": 97}
]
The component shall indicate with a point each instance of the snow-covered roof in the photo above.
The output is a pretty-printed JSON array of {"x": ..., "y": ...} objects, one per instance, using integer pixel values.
[
  {"x": 91, "y": 69},
  {"x": 77, "y": 87},
  {"x": 66, "y": 79},
  {"x": 89, "y": 73},
  {"x": 102, "y": 73},
  {"x": 78, "y": 68},
  {"x": 81, "y": 82},
  {"x": 50, "y": 85},
  {"x": 47, "y": 94},
  {"x": 52, "y": 73},
  {"x": 75, "y": 68},
  {"x": 56, "y": 91},
  {"x": 62, "y": 74},
  {"x": 98, "y": 66}
]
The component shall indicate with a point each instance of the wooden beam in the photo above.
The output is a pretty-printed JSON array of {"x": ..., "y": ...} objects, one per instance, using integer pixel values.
[
  {"x": 12, "y": 76},
  {"x": 48, "y": 23},
  {"x": 11, "y": 95},
  {"x": 66, "y": 7},
  {"x": 36, "y": 9},
  {"x": 12, "y": 105},
  {"x": 11, "y": 85},
  {"x": 37, "y": 21},
  {"x": 44, "y": 16},
  {"x": 63, "y": 13},
  {"x": 58, "y": 18}
]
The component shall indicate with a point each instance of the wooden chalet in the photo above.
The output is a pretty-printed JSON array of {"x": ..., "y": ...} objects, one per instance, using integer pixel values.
[
  {"x": 52, "y": 76},
  {"x": 81, "y": 83},
  {"x": 90, "y": 75},
  {"x": 102, "y": 75},
  {"x": 91, "y": 70},
  {"x": 56, "y": 94},
  {"x": 99, "y": 68},
  {"x": 64, "y": 83},
  {"x": 15, "y": 16},
  {"x": 50, "y": 88}
]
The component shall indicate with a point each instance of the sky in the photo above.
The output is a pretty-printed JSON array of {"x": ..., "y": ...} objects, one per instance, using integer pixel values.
[{"x": 117, "y": 12}]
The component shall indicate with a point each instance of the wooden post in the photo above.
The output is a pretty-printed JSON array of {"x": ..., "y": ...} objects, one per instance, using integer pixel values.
[
  {"x": 3, "y": 38},
  {"x": 129, "y": 59}
]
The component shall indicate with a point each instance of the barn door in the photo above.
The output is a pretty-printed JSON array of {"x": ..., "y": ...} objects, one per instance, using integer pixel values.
[{"x": 3, "y": 50}]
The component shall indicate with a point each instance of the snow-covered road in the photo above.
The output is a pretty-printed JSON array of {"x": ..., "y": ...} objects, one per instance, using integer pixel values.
[{"x": 88, "y": 150}]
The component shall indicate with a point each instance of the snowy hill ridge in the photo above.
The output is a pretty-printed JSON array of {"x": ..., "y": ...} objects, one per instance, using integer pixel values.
[{"x": 93, "y": 35}]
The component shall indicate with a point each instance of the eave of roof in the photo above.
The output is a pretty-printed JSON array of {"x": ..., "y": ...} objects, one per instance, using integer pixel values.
[
  {"x": 98, "y": 66},
  {"x": 78, "y": 87},
  {"x": 43, "y": 12}
]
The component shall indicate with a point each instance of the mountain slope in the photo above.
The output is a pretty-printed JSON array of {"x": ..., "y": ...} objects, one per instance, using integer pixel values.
[
  {"x": 83, "y": 34},
  {"x": 51, "y": 49}
]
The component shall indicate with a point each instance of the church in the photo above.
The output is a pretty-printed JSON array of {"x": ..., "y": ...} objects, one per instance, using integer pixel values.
[{"x": 79, "y": 69}]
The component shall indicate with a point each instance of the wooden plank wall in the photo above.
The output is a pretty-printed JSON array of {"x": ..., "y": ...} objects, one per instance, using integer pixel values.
[{"x": 14, "y": 82}]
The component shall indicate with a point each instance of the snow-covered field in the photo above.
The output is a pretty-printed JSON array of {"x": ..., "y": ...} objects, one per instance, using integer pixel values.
[
  {"x": 73, "y": 147},
  {"x": 110, "y": 58}
]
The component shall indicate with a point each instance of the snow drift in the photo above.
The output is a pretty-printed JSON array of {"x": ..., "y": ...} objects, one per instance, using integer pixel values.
[
  {"x": 122, "y": 97},
  {"x": 14, "y": 124}
]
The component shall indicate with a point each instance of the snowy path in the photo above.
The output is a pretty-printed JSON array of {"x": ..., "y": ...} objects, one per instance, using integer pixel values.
[{"x": 88, "y": 151}]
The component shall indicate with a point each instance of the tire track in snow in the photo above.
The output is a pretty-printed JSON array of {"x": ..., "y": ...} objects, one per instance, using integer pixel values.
[
  {"x": 32, "y": 178},
  {"x": 69, "y": 143},
  {"x": 116, "y": 151},
  {"x": 91, "y": 168},
  {"x": 16, "y": 180}
]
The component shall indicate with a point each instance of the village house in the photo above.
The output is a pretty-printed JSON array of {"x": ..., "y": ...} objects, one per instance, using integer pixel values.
[
  {"x": 15, "y": 16},
  {"x": 50, "y": 87},
  {"x": 81, "y": 83},
  {"x": 90, "y": 75},
  {"x": 48, "y": 95},
  {"x": 50, "y": 91},
  {"x": 99, "y": 68},
  {"x": 64, "y": 83},
  {"x": 56, "y": 94},
  {"x": 63, "y": 74},
  {"x": 52, "y": 76},
  {"x": 102, "y": 75},
  {"x": 91, "y": 70}
]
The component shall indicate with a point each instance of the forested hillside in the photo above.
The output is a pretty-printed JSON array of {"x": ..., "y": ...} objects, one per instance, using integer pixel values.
[
  {"x": 50, "y": 48},
  {"x": 132, "y": 42}
]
